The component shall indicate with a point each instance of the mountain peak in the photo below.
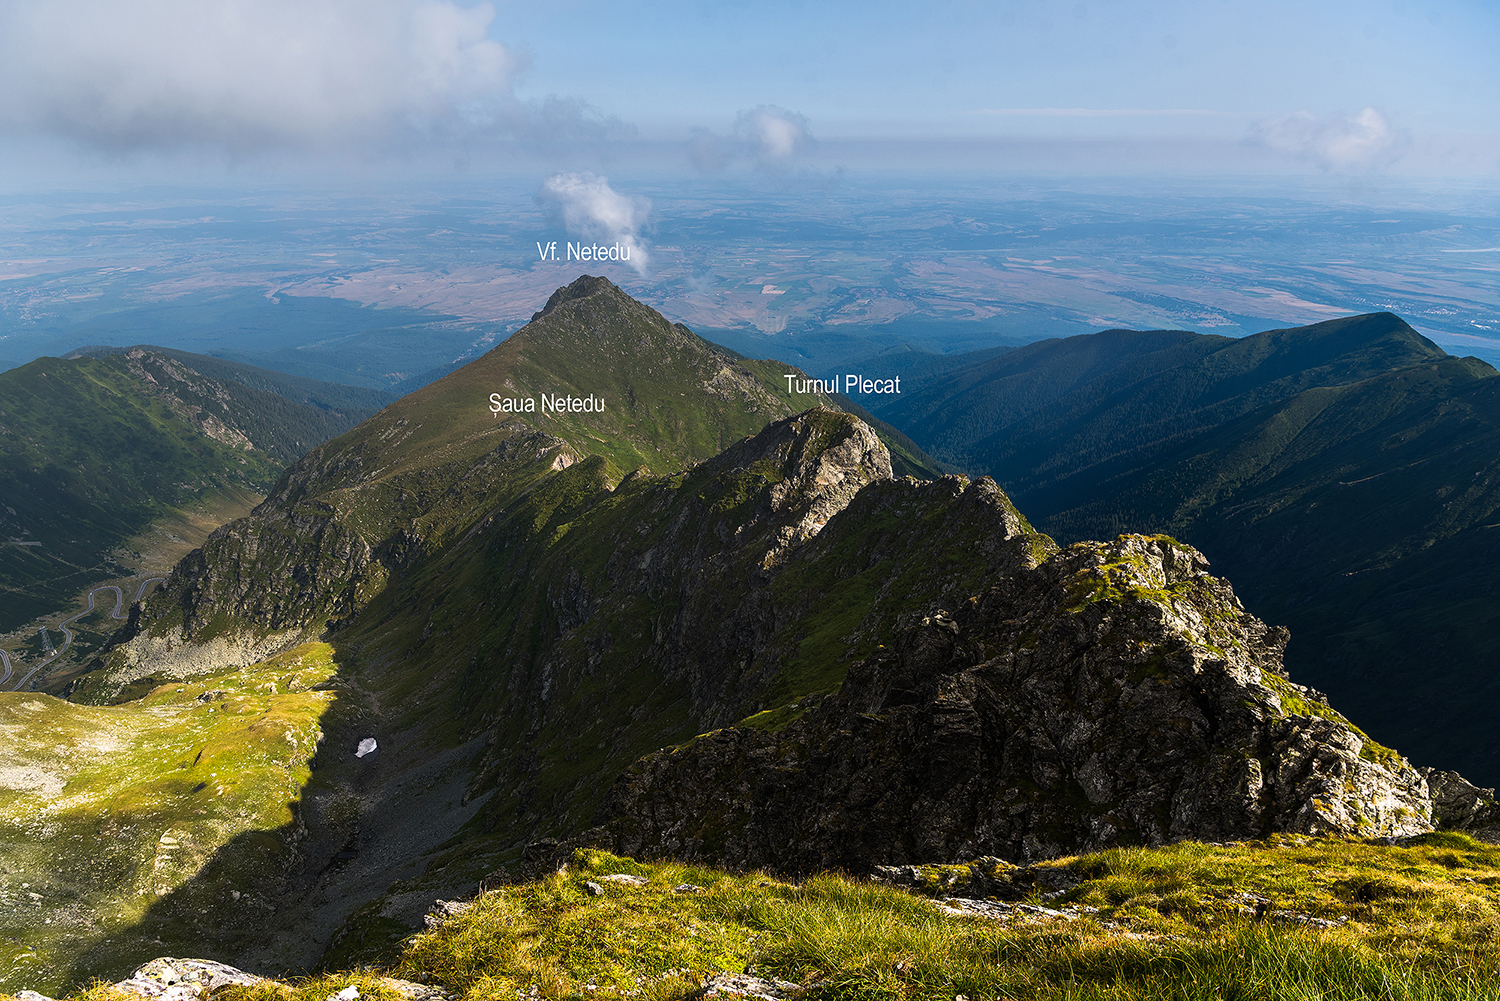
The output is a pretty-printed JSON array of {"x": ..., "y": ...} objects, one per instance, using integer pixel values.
[{"x": 581, "y": 288}]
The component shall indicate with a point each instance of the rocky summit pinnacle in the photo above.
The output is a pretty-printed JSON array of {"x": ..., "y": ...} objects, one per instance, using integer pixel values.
[{"x": 582, "y": 287}]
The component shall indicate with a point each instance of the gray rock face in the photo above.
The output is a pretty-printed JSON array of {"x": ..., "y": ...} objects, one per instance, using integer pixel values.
[
  {"x": 1113, "y": 694},
  {"x": 168, "y": 979},
  {"x": 744, "y": 985},
  {"x": 1458, "y": 804}
]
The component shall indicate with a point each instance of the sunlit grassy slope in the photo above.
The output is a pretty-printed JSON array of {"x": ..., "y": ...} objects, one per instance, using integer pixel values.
[
  {"x": 1184, "y": 921},
  {"x": 106, "y": 810}
]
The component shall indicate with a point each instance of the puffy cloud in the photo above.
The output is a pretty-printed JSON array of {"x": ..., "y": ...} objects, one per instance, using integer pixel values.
[
  {"x": 587, "y": 207},
  {"x": 1334, "y": 142},
  {"x": 776, "y": 135},
  {"x": 767, "y": 137},
  {"x": 248, "y": 74}
]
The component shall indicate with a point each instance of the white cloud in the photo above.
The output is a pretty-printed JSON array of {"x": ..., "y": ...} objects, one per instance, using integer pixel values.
[
  {"x": 586, "y": 206},
  {"x": 776, "y": 135},
  {"x": 767, "y": 138},
  {"x": 1102, "y": 112},
  {"x": 1334, "y": 142},
  {"x": 246, "y": 74}
]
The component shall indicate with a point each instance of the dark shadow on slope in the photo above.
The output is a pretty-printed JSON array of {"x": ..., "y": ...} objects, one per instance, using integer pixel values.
[
  {"x": 559, "y": 640},
  {"x": 271, "y": 901}
]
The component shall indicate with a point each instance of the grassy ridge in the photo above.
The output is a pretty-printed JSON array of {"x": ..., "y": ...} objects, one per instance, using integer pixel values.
[
  {"x": 89, "y": 456},
  {"x": 93, "y": 449},
  {"x": 1185, "y": 921},
  {"x": 357, "y": 401}
]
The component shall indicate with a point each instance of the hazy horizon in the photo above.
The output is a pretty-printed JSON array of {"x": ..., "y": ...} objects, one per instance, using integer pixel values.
[{"x": 1341, "y": 156}]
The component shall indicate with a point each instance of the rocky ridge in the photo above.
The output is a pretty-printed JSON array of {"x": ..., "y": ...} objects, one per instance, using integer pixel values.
[
  {"x": 1115, "y": 693},
  {"x": 364, "y": 509}
]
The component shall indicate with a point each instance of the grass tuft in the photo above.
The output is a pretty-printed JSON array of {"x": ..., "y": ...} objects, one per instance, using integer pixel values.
[
  {"x": 1187, "y": 921},
  {"x": 1169, "y": 924}
]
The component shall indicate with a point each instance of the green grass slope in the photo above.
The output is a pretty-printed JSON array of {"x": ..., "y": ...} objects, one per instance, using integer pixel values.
[
  {"x": 670, "y": 398},
  {"x": 1186, "y": 921},
  {"x": 355, "y": 402},
  {"x": 1342, "y": 475},
  {"x": 112, "y": 818},
  {"x": 1190, "y": 920},
  {"x": 93, "y": 449}
]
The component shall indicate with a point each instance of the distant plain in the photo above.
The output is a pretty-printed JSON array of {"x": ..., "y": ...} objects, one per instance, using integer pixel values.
[{"x": 390, "y": 288}]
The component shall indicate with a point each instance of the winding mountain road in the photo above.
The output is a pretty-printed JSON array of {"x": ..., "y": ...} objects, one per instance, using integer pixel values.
[{"x": 118, "y": 613}]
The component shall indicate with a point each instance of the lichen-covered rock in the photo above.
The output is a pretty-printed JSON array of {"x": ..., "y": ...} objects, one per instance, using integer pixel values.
[
  {"x": 168, "y": 979},
  {"x": 744, "y": 985},
  {"x": 1459, "y": 805},
  {"x": 1113, "y": 694},
  {"x": 443, "y": 911}
]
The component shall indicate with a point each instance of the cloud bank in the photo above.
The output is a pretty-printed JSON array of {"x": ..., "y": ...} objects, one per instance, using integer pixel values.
[
  {"x": 245, "y": 75},
  {"x": 587, "y": 207},
  {"x": 1333, "y": 142}
]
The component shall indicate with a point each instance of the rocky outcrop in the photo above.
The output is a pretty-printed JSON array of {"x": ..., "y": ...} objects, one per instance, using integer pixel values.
[
  {"x": 1113, "y": 694},
  {"x": 168, "y": 979},
  {"x": 1459, "y": 805},
  {"x": 735, "y": 588}
]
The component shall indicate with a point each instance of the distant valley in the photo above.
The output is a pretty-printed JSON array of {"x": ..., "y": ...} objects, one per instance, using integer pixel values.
[{"x": 97, "y": 447}]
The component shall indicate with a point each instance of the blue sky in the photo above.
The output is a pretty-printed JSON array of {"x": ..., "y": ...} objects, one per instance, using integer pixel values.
[
  {"x": 337, "y": 87},
  {"x": 921, "y": 69}
]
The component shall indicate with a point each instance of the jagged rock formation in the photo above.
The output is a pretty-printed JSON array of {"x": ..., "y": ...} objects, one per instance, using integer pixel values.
[
  {"x": 411, "y": 481},
  {"x": 1458, "y": 804},
  {"x": 1115, "y": 693},
  {"x": 734, "y": 588}
]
